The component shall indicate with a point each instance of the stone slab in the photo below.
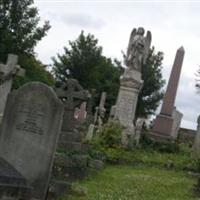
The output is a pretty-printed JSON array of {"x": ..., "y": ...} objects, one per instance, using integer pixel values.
[{"x": 29, "y": 133}]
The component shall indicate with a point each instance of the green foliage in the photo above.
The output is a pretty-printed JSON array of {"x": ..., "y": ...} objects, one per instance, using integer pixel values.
[
  {"x": 83, "y": 60},
  {"x": 19, "y": 34},
  {"x": 162, "y": 146},
  {"x": 19, "y": 30},
  {"x": 151, "y": 94},
  {"x": 110, "y": 135},
  {"x": 35, "y": 71}
]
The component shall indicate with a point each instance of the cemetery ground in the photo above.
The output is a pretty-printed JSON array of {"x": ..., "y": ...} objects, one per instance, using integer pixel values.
[{"x": 144, "y": 173}]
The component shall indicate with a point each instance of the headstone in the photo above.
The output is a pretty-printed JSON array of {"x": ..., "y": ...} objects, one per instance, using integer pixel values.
[
  {"x": 138, "y": 129},
  {"x": 112, "y": 112},
  {"x": 196, "y": 146},
  {"x": 177, "y": 117},
  {"x": 131, "y": 83},
  {"x": 90, "y": 132},
  {"x": 100, "y": 111},
  {"x": 7, "y": 72},
  {"x": 163, "y": 124},
  {"x": 72, "y": 95},
  {"x": 29, "y": 133},
  {"x": 81, "y": 113}
]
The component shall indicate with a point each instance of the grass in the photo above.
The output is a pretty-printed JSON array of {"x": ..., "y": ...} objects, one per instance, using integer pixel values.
[{"x": 136, "y": 183}]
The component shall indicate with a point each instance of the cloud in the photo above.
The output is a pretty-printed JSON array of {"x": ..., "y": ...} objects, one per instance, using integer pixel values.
[
  {"x": 172, "y": 25},
  {"x": 82, "y": 20}
]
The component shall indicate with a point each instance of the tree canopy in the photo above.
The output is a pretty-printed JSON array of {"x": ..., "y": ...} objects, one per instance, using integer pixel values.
[
  {"x": 83, "y": 60},
  {"x": 151, "y": 93},
  {"x": 19, "y": 34}
]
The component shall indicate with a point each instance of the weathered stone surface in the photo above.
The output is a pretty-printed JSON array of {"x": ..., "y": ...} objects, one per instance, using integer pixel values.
[
  {"x": 12, "y": 183},
  {"x": 177, "y": 117},
  {"x": 126, "y": 105},
  {"x": 196, "y": 146},
  {"x": 163, "y": 124},
  {"x": 90, "y": 132},
  {"x": 138, "y": 130},
  {"x": 29, "y": 133},
  {"x": 7, "y": 72},
  {"x": 96, "y": 164}
]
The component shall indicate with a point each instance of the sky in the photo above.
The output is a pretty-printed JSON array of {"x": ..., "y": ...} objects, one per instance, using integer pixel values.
[{"x": 172, "y": 23}]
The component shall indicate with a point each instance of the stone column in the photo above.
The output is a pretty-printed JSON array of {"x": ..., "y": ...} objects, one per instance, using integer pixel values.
[{"x": 163, "y": 124}]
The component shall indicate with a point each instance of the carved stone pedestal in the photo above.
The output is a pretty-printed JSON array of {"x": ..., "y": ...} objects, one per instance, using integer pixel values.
[{"x": 130, "y": 86}]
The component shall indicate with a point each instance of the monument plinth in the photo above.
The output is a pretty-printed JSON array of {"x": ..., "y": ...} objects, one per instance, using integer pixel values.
[
  {"x": 131, "y": 83},
  {"x": 163, "y": 124}
]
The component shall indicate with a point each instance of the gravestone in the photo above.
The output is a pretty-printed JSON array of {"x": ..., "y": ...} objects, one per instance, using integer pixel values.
[
  {"x": 90, "y": 132},
  {"x": 138, "y": 130},
  {"x": 177, "y": 117},
  {"x": 7, "y": 72},
  {"x": 163, "y": 124},
  {"x": 131, "y": 83},
  {"x": 100, "y": 111},
  {"x": 29, "y": 133},
  {"x": 81, "y": 113},
  {"x": 72, "y": 95},
  {"x": 196, "y": 145}
]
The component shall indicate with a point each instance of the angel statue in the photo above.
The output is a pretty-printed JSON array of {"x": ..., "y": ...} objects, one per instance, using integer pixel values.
[{"x": 138, "y": 49}]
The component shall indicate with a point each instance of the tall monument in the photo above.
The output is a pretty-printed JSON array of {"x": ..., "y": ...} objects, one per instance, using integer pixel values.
[
  {"x": 131, "y": 82},
  {"x": 164, "y": 122}
]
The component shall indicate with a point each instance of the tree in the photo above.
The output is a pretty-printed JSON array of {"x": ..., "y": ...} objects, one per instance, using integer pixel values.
[
  {"x": 19, "y": 30},
  {"x": 151, "y": 93},
  {"x": 19, "y": 34},
  {"x": 84, "y": 61},
  {"x": 35, "y": 71}
]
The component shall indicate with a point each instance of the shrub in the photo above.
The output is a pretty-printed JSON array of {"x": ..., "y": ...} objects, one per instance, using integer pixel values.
[{"x": 110, "y": 135}]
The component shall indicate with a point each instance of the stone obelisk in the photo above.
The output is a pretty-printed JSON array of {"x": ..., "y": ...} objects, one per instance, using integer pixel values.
[{"x": 163, "y": 124}]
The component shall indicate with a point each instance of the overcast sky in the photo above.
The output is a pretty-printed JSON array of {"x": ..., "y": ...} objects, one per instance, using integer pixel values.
[{"x": 172, "y": 25}]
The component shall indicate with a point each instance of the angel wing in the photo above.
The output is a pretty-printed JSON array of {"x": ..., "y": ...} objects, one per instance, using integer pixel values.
[
  {"x": 133, "y": 33},
  {"x": 147, "y": 45}
]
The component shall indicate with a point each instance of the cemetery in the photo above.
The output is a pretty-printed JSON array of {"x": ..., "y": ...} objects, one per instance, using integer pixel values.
[{"x": 89, "y": 127}]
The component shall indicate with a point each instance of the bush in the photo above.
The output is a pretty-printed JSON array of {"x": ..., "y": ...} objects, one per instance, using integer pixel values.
[
  {"x": 110, "y": 135},
  {"x": 164, "y": 146}
]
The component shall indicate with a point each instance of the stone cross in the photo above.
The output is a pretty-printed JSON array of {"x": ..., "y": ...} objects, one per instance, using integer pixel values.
[
  {"x": 8, "y": 71},
  {"x": 72, "y": 95}
]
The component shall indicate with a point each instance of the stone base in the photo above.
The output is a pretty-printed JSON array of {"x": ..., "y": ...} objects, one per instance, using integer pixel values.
[
  {"x": 128, "y": 137},
  {"x": 159, "y": 137},
  {"x": 162, "y": 126}
]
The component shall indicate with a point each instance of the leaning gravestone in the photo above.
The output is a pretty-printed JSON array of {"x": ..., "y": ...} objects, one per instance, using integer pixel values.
[{"x": 29, "y": 133}]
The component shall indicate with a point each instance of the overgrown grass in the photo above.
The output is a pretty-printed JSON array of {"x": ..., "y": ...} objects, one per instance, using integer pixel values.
[
  {"x": 180, "y": 161},
  {"x": 136, "y": 183}
]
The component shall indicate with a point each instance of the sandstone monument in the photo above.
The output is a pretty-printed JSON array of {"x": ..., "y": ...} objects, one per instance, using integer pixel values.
[
  {"x": 163, "y": 125},
  {"x": 131, "y": 82}
]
